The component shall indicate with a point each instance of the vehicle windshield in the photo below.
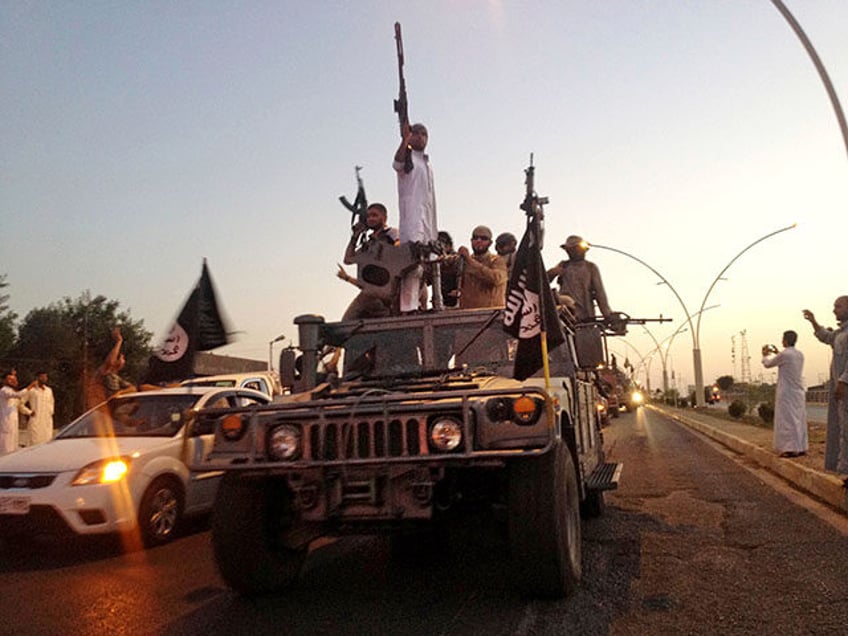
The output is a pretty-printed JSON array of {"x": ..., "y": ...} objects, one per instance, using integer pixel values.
[
  {"x": 221, "y": 383},
  {"x": 480, "y": 346},
  {"x": 134, "y": 415}
]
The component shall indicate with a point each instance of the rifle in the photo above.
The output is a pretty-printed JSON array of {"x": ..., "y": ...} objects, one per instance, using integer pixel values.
[
  {"x": 359, "y": 207},
  {"x": 401, "y": 103},
  {"x": 532, "y": 204}
]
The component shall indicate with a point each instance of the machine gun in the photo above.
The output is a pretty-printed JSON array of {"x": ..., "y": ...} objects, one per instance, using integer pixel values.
[
  {"x": 401, "y": 103},
  {"x": 616, "y": 324},
  {"x": 359, "y": 208}
]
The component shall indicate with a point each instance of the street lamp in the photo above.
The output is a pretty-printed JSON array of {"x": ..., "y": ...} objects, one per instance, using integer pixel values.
[
  {"x": 814, "y": 56},
  {"x": 658, "y": 346},
  {"x": 696, "y": 353},
  {"x": 271, "y": 350},
  {"x": 700, "y": 400}
]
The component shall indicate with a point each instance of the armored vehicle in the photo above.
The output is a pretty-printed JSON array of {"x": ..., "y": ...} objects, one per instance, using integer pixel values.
[{"x": 422, "y": 417}]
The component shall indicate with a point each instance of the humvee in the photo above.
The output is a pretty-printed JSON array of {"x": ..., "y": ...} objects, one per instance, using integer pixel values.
[{"x": 422, "y": 416}]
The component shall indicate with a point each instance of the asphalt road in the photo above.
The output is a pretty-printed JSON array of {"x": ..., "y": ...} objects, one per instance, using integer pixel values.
[{"x": 694, "y": 542}]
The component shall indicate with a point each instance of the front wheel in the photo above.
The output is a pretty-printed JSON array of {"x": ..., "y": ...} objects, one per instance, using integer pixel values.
[
  {"x": 252, "y": 524},
  {"x": 544, "y": 524},
  {"x": 160, "y": 511}
]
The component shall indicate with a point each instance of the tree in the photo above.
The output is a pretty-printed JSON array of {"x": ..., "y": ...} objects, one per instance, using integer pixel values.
[
  {"x": 70, "y": 339},
  {"x": 7, "y": 321},
  {"x": 724, "y": 382}
]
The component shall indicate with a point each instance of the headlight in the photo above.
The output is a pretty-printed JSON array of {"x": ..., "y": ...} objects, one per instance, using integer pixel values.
[
  {"x": 284, "y": 442},
  {"x": 103, "y": 471},
  {"x": 445, "y": 434},
  {"x": 601, "y": 407},
  {"x": 636, "y": 397}
]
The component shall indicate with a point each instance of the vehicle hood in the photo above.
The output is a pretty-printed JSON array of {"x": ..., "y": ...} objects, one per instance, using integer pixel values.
[{"x": 72, "y": 454}]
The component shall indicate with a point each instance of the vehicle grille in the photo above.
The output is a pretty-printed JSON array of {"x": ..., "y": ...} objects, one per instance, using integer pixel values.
[
  {"x": 366, "y": 439},
  {"x": 25, "y": 481}
]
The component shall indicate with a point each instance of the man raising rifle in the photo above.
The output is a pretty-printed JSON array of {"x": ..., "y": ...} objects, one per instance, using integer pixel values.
[{"x": 416, "y": 205}]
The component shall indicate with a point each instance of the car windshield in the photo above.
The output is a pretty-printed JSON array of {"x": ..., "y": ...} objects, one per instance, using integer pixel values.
[
  {"x": 223, "y": 383},
  {"x": 135, "y": 415},
  {"x": 481, "y": 346}
]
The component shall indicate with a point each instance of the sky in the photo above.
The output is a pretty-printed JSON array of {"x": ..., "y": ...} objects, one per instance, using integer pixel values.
[{"x": 139, "y": 138}]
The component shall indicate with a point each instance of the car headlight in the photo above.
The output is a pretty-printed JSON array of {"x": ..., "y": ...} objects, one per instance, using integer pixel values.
[
  {"x": 103, "y": 471},
  {"x": 445, "y": 434},
  {"x": 600, "y": 407},
  {"x": 284, "y": 442},
  {"x": 636, "y": 397}
]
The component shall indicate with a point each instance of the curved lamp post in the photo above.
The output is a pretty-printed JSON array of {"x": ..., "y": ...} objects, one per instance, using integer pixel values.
[
  {"x": 658, "y": 345},
  {"x": 699, "y": 369},
  {"x": 814, "y": 56},
  {"x": 700, "y": 400}
]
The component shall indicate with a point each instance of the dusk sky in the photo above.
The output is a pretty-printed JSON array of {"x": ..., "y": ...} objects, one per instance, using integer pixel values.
[{"x": 140, "y": 137}]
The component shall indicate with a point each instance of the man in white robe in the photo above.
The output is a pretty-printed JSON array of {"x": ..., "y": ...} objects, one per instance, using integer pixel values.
[
  {"x": 790, "y": 406},
  {"x": 10, "y": 402},
  {"x": 416, "y": 208},
  {"x": 41, "y": 403}
]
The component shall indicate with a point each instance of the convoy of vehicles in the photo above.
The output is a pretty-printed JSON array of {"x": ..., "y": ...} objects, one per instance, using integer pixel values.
[
  {"x": 423, "y": 418},
  {"x": 120, "y": 467}
]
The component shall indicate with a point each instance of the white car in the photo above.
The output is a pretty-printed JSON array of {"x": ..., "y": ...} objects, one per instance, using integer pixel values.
[{"x": 120, "y": 467}]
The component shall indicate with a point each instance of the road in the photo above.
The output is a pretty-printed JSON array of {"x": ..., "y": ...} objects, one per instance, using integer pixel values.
[{"x": 695, "y": 541}]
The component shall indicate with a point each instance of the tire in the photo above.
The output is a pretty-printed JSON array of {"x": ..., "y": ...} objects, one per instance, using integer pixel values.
[
  {"x": 160, "y": 512},
  {"x": 250, "y": 523},
  {"x": 544, "y": 524}
]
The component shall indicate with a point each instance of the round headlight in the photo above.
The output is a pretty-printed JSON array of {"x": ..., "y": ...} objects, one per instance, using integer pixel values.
[
  {"x": 445, "y": 434},
  {"x": 284, "y": 442},
  {"x": 637, "y": 397}
]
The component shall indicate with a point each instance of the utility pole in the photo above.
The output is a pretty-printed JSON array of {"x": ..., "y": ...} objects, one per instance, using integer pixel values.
[{"x": 745, "y": 359}]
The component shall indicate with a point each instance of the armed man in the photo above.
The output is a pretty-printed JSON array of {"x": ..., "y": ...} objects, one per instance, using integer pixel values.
[
  {"x": 367, "y": 305},
  {"x": 580, "y": 284}
]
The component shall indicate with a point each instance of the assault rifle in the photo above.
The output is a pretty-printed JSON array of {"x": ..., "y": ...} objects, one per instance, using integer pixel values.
[
  {"x": 401, "y": 103},
  {"x": 359, "y": 208},
  {"x": 532, "y": 204}
]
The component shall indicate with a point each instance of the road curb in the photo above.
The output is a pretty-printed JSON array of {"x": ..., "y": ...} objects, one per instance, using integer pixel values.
[{"x": 827, "y": 488}]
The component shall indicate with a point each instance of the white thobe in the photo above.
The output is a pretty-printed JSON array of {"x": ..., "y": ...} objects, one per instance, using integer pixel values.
[
  {"x": 41, "y": 402},
  {"x": 417, "y": 218},
  {"x": 790, "y": 406},
  {"x": 10, "y": 400}
]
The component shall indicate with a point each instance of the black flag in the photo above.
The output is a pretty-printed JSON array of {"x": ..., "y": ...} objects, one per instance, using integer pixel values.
[
  {"x": 199, "y": 327},
  {"x": 530, "y": 307}
]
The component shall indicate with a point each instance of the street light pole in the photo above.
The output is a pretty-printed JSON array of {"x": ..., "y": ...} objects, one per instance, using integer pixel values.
[
  {"x": 814, "y": 56},
  {"x": 699, "y": 369},
  {"x": 696, "y": 353},
  {"x": 700, "y": 400},
  {"x": 271, "y": 351}
]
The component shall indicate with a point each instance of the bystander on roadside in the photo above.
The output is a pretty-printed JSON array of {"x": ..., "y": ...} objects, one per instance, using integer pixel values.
[
  {"x": 10, "y": 404},
  {"x": 836, "y": 446},
  {"x": 41, "y": 403},
  {"x": 790, "y": 415}
]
